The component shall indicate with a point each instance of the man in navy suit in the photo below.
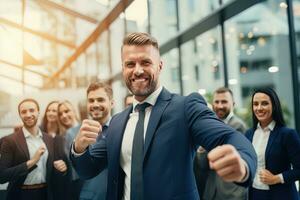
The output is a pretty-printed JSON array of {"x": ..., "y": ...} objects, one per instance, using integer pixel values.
[{"x": 172, "y": 129}]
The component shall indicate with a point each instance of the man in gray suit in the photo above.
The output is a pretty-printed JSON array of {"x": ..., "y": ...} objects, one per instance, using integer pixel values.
[{"x": 214, "y": 187}]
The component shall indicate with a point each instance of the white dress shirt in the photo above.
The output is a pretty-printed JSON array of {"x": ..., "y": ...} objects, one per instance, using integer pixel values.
[
  {"x": 260, "y": 141},
  {"x": 126, "y": 148},
  {"x": 38, "y": 175}
]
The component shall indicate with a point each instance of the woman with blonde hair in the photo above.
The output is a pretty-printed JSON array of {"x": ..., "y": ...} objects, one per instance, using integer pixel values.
[{"x": 67, "y": 116}]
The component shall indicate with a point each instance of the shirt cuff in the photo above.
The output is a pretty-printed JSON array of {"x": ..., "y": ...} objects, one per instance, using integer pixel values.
[
  {"x": 281, "y": 178},
  {"x": 74, "y": 153},
  {"x": 247, "y": 173}
]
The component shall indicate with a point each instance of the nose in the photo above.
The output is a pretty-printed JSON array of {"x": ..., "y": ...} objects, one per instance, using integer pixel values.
[
  {"x": 259, "y": 107},
  {"x": 138, "y": 70},
  {"x": 95, "y": 105},
  {"x": 219, "y": 105},
  {"x": 64, "y": 115}
]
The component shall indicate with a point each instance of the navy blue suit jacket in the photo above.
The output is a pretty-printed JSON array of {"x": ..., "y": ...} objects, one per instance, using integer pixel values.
[
  {"x": 177, "y": 126},
  {"x": 282, "y": 152}
]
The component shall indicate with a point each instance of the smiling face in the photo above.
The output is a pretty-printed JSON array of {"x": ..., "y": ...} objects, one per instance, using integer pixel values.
[
  {"x": 141, "y": 69},
  {"x": 66, "y": 115},
  {"x": 51, "y": 112},
  {"x": 262, "y": 108},
  {"x": 99, "y": 105},
  {"x": 29, "y": 114},
  {"x": 222, "y": 104}
]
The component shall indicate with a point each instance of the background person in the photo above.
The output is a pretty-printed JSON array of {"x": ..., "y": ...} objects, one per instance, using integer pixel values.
[
  {"x": 99, "y": 106},
  {"x": 277, "y": 148},
  {"x": 27, "y": 158},
  {"x": 210, "y": 184},
  {"x": 50, "y": 120},
  {"x": 67, "y": 116}
]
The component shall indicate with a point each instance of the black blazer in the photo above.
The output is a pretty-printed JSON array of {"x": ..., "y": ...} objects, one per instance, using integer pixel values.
[{"x": 13, "y": 169}]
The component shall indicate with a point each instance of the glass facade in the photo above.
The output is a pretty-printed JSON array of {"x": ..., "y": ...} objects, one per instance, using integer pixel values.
[
  {"x": 258, "y": 54},
  {"x": 204, "y": 44},
  {"x": 202, "y": 63}
]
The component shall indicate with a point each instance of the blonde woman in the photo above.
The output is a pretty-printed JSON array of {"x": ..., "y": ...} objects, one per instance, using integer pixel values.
[{"x": 67, "y": 116}]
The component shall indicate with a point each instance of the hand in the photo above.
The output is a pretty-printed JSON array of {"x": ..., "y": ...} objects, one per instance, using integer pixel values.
[
  {"x": 60, "y": 165},
  {"x": 268, "y": 178},
  {"x": 227, "y": 163},
  {"x": 36, "y": 157},
  {"x": 87, "y": 135}
]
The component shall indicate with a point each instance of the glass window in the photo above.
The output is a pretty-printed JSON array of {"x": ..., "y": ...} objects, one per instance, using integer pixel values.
[
  {"x": 11, "y": 10},
  {"x": 169, "y": 76},
  {"x": 258, "y": 56},
  {"x": 117, "y": 34},
  {"x": 136, "y": 16},
  {"x": 191, "y": 11},
  {"x": 202, "y": 63},
  {"x": 296, "y": 6},
  {"x": 163, "y": 21}
]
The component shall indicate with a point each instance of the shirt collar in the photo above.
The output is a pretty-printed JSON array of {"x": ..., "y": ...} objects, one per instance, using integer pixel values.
[
  {"x": 151, "y": 99},
  {"x": 107, "y": 122},
  {"x": 226, "y": 120},
  {"x": 270, "y": 126},
  {"x": 28, "y": 134}
]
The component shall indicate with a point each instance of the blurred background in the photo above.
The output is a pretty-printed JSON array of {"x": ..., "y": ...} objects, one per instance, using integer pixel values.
[{"x": 52, "y": 49}]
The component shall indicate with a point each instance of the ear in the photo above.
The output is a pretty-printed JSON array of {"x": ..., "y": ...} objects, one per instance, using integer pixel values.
[
  {"x": 160, "y": 65},
  {"x": 112, "y": 103}
]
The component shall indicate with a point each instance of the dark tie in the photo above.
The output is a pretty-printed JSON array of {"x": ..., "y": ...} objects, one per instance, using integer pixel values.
[{"x": 137, "y": 156}]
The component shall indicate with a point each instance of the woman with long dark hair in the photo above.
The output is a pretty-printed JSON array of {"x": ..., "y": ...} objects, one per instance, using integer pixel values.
[
  {"x": 50, "y": 120},
  {"x": 50, "y": 124},
  {"x": 277, "y": 148}
]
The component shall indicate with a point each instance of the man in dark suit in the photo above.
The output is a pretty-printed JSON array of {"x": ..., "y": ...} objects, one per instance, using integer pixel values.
[
  {"x": 99, "y": 106},
  {"x": 150, "y": 146},
  {"x": 213, "y": 187},
  {"x": 27, "y": 158}
]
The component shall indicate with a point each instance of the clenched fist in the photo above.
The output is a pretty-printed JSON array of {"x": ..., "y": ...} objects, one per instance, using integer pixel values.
[
  {"x": 36, "y": 157},
  {"x": 87, "y": 135},
  {"x": 60, "y": 165},
  {"x": 227, "y": 163}
]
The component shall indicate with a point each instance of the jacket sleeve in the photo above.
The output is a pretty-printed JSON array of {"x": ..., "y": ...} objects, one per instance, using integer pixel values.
[
  {"x": 9, "y": 171},
  {"x": 209, "y": 132},
  {"x": 292, "y": 145},
  {"x": 92, "y": 161}
]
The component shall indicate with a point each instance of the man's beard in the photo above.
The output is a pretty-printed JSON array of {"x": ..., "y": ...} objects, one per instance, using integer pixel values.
[
  {"x": 145, "y": 92},
  {"x": 225, "y": 113},
  {"x": 28, "y": 126},
  {"x": 101, "y": 115}
]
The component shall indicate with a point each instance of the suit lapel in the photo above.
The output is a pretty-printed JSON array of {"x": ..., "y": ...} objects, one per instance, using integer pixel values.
[
  {"x": 251, "y": 135},
  {"x": 273, "y": 135},
  {"x": 47, "y": 141},
  {"x": 116, "y": 133},
  {"x": 156, "y": 113},
  {"x": 21, "y": 141}
]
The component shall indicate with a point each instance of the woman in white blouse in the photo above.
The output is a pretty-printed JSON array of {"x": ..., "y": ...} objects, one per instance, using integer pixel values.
[{"x": 277, "y": 148}]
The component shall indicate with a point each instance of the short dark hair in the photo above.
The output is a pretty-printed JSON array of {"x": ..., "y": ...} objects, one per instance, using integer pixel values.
[
  {"x": 223, "y": 90},
  {"x": 29, "y": 100},
  {"x": 276, "y": 107},
  {"x": 98, "y": 84},
  {"x": 140, "y": 39}
]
